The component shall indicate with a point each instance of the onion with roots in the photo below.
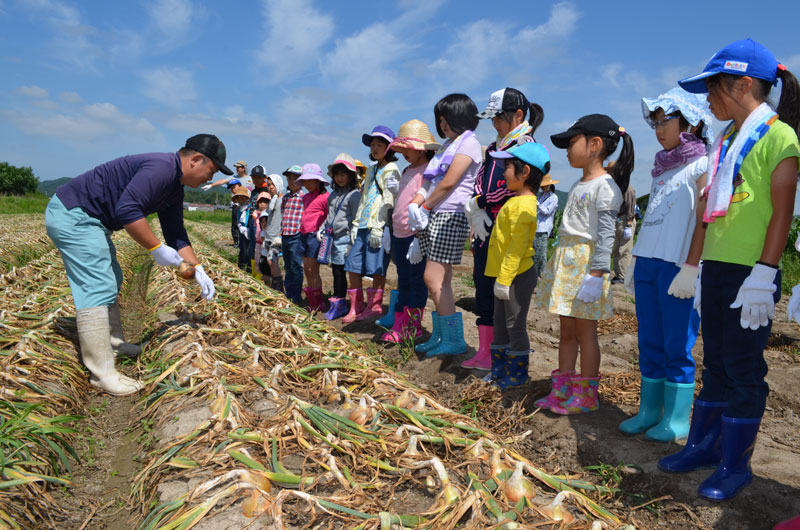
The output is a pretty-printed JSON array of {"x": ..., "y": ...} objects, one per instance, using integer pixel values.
[{"x": 186, "y": 270}]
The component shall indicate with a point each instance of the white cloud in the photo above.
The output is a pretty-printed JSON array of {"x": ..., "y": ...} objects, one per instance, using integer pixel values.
[
  {"x": 171, "y": 86},
  {"x": 32, "y": 91},
  {"x": 296, "y": 32},
  {"x": 70, "y": 41},
  {"x": 793, "y": 64},
  {"x": 172, "y": 20},
  {"x": 70, "y": 97},
  {"x": 253, "y": 126}
]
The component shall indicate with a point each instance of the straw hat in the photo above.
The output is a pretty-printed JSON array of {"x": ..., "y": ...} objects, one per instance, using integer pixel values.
[
  {"x": 547, "y": 181},
  {"x": 414, "y": 134},
  {"x": 240, "y": 191},
  {"x": 346, "y": 160}
]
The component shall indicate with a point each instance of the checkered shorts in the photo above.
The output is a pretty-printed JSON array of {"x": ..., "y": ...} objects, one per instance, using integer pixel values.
[{"x": 443, "y": 240}]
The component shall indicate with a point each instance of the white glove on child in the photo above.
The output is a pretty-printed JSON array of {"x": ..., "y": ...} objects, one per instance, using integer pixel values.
[
  {"x": 591, "y": 289},
  {"x": 629, "y": 284},
  {"x": 755, "y": 297},
  {"x": 697, "y": 290},
  {"x": 206, "y": 187},
  {"x": 166, "y": 256},
  {"x": 353, "y": 234},
  {"x": 794, "y": 304},
  {"x": 375, "y": 238},
  {"x": 627, "y": 233},
  {"x": 683, "y": 284},
  {"x": 414, "y": 254},
  {"x": 417, "y": 217},
  {"x": 206, "y": 285},
  {"x": 502, "y": 292},
  {"x": 386, "y": 240},
  {"x": 243, "y": 230},
  {"x": 478, "y": 218}
]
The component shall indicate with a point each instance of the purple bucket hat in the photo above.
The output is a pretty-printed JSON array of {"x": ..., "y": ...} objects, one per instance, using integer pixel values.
[
  {"x": 381, "y": 131},
  {"x": 313, "y": 172}
]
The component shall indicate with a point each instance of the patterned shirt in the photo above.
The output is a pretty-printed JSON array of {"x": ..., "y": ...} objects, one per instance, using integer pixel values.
[{"x": 292, "y": 208}]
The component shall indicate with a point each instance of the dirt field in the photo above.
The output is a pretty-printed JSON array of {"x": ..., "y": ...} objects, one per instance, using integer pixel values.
[{"x": 571, "y": 444}]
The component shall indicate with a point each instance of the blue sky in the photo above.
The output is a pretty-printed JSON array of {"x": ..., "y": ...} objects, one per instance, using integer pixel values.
[{"x": 283, "y": 82}]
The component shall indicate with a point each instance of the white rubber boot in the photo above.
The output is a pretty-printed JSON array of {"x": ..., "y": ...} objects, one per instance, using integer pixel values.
[
  {"x": 94, "y": 333},
  {"x": 118, "y": 344}
]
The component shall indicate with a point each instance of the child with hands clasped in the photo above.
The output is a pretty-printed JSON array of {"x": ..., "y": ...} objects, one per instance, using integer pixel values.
[
  {"x": 575, "y": 284},
  {"x": 342, "y": 207},
  {"x": 510, "y": 260},
  {"x": 315, "y": 211},
  {"x": 664, "y": 266},
  {"x": 752, "y": 179}
]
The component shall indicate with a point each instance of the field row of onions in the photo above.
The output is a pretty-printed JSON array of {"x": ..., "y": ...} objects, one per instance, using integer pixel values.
[{"x": 284, "y": 422}]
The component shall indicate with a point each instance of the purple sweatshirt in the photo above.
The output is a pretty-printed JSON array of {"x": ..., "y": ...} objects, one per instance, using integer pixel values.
[{"x": 130, "y": 188}]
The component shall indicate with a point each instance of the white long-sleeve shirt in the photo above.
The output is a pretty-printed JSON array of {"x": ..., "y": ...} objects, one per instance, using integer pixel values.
[{"x": 546, "y": 211}]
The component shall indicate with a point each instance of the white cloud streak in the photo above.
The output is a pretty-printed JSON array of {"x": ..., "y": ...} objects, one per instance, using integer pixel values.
[
  {"x": 70, "y": 97},
  {"x": 172, "y": 87},
  {"x": 32, "y": 91},
  {"x": 70, "y": 41}
]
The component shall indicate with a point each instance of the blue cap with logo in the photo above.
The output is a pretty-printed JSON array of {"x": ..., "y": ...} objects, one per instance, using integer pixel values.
[
  {"x": 743, "y": 57},
  {"x": 529, "y": 152}
]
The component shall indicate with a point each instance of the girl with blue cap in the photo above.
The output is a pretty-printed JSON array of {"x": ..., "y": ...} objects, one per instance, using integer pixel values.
[
  {"x": 666, "y": 264},
  {"x": 752, "y": 179}
]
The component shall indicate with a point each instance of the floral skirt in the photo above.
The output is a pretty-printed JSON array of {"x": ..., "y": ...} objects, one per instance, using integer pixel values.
[{"x": 562, "y": 277}]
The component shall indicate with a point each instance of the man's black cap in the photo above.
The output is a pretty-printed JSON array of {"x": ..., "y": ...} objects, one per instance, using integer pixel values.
[{"x": 212, "y": 147}]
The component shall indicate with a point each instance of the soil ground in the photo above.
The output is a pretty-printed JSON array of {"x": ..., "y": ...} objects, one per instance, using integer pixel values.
[{"x": 571, "y": 444}]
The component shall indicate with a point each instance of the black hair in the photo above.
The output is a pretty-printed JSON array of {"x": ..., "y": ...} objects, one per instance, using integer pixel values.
[
  {"x": 459, "y": 111},
  {"x": 390, "y": 155},
  {"x": 429, "y": 154},
  {"x": 352, "y": 182},
  {"x": 534, "y": 111},
  {"x": 621, "y": 170},
  {"x": 535, "y": 176}
]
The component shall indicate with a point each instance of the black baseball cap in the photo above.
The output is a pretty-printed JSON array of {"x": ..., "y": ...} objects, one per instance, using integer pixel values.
[
  {"x": 594, "y": 124},
  {"x": 258, "y": 171},
  {"x": 210, "y": 146}
]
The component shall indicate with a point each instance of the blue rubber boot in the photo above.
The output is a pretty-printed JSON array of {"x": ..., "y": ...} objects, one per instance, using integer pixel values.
[
  {"x": 387, "y": 320},
  {"x": 734, "y": 473},
  {"x": 499, "y": 368},
  {"x": 338, "y": 308},
  {"x": 451, "y": 329},
  {"x": 677, "y": 410},
  {"x": 651, "y": 405},
  {"x": 436, "y": 336},
  {"x": 516, "y": 370},
  {"x": 702, "y": 448}
]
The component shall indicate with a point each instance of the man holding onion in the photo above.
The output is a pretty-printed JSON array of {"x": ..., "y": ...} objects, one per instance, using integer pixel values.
[{"x": 81, "y": 217}]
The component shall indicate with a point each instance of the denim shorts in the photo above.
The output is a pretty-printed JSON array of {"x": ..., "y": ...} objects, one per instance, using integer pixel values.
[
  {"x": 365, "y": 260},
  {"x": 310, "y": 245}
]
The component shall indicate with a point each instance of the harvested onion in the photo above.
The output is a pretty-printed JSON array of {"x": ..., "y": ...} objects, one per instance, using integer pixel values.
[
  {"x": 186, "y": 270},
  {"x": 517, "y": 486}
]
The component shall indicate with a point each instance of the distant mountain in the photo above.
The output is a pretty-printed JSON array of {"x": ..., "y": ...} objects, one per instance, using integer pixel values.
[
  {"x": 48, "y": 187},
  {"x": 562, "y": 198}
]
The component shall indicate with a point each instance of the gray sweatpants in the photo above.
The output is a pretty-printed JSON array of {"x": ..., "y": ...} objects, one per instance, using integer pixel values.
[{"x": 511, "y": 316}]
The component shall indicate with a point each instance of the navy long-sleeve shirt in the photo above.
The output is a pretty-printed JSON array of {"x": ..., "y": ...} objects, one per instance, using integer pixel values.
[{"x": 130, "y": 188}]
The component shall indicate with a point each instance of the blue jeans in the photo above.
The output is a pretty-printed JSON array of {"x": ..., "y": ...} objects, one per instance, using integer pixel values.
[
  {"x": 484, "y": 285},
  {"x": 411, "y": 290},
  {"x": 667, "y": 325},
  {"x": 293, "y": 265},
  {"x": 733, "y": 357}
]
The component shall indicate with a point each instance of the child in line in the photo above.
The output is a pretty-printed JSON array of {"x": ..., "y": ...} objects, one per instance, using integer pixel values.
[
  {"x": 507, "y": 110},
  {"x": 366, "y": 257},
  {"x": 342, "y": 207},
  {"x": 261, "y": 253},
  {"x": 575, "y": 284},
  {"x": 668, "y": 324},
  {"x": 315, "y": 210},
  {"x": 752, "y": 178},
  {"x": 242, "y": 197},
  {"x": 510, "y": 261},
  {"x": 437, "y": 214},
  {"x": 291, "y": 239},
  {"x": 262, "y": 201},
  {"x": 271, "y": 246},
  {"x": 416, "y": 144}
]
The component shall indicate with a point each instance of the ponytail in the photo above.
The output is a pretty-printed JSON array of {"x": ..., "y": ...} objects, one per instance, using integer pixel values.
[
  {"x": 789, "y": 105},
  {"x": 535, "y": 117},
  {"x": 621, "y": 171}
]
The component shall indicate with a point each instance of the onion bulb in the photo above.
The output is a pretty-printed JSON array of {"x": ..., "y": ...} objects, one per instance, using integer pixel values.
[
  {"x": 361, "y": 414},
  {"x": 186, "y": 270},
  {"x": 404, "y": 400},
  {"x": 517, "y": 486},
  {"x": 556, "y": 511},
  {"x": 497, "y": 466}
]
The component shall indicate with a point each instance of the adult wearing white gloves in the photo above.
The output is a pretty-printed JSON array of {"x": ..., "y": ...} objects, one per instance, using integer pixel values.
[
  {"x": 623, "y": 236},
  {"x": 81, "y": 217}
]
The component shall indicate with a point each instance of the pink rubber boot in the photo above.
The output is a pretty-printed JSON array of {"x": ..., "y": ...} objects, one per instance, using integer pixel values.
[
  {"x": 560, "y": 390},
  {"x": 356, "y": 297},
  {"x": 395, "y": 335},
  {"x": 414, "y": 327},
  {"x": 483, "y": 359},
  {"x": 584, "y": 396},
  {"x": 373, "y": 306}
]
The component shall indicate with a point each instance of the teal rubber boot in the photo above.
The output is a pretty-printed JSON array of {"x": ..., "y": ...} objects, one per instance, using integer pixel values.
[
  {"x": 651, "y": 405},
  {"x": 678, "y": 398},
  {"x": 516, "y": 370},
  {"x": 499, "y": 369},
  {"x": 387, "y": 320},
  {"x": 436, "y": 337},
  {"x": 451, "y": 329}
]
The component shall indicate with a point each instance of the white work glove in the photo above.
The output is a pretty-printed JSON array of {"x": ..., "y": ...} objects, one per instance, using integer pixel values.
[
  {"x": 386, "y": 240},
  {"x": 277, "y": 241},
  {"x": 417, "y": 217},
  {"x": 166, "y": 256},
  {"x": 629, "y": 284},
  {"x": 502, "y": 292},
  {"x": 320, "y": 234},
  {"x": 206, "y": 285},
  {"x": 479, "y": 219},
  {"x": 243, "y": 230},
  {"x": 794, "y": 304},
  {"x": 591, "y": 289},
  {"x": 627, "y": 233},
  {"x": 755, "y": 297},
  {"x": 375, "y": 238},
  {"x": 683, "y": 284},
  {"x": 353, "y": 234},
  {"x": 414, "y": 254},
  {"x": 206, "y": 187},
  {"x": 697, "y": 290}
]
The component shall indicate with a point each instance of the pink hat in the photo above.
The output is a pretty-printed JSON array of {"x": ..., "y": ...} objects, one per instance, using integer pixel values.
[{"x": 313, "y": 172}]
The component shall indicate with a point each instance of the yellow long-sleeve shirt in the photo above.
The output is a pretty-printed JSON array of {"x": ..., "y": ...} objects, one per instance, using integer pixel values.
[{"x": 511, "y": 244}]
